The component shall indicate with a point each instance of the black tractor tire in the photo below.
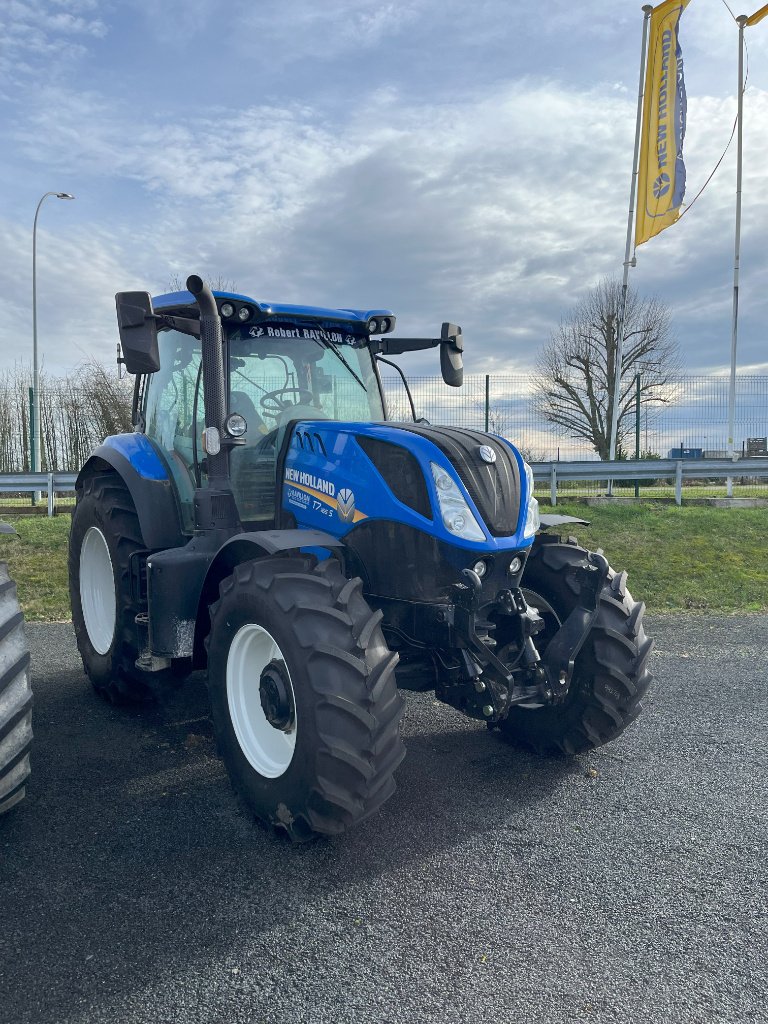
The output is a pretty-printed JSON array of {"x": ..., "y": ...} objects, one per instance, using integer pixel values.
[
  {"x": 610, "y": 673},
  {"x": 105, "y": 505},
  {"x": 15, "y": 697},
  {"x": 338, "y": 754}
]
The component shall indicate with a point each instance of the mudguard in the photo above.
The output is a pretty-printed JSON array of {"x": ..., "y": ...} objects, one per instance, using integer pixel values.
[
  {"x": 183, "y": 583},
  {"x": 150, "y": 487},
  {"x": 550, "y": 519}
]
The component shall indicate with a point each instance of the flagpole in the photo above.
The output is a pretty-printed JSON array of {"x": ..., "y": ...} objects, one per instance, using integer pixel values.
[
  {"x": 742, "y": 20},
  {"x": 647, "y": 9}
]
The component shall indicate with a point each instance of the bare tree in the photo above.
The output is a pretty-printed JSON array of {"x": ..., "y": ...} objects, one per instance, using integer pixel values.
[
  {"x": 216, "y": 284},
  {"x": 76, "y": 413},
  {"x": 576, "y": 370}
]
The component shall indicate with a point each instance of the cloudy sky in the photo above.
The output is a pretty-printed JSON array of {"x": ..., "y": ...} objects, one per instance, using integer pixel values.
[{"x": 448, "y": 160}]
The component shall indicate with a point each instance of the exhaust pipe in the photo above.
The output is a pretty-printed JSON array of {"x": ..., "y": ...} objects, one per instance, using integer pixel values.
[{"x": 211, "y": 341}]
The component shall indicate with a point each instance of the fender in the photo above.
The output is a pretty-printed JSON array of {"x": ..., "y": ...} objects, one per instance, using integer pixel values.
[
  {"x": 212, "y": 567},
  {"x": 153, "y": 494},
  {"x": 548, "y": 520}
]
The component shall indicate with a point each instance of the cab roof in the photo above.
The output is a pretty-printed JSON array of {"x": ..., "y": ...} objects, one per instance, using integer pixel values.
[{"x": 356, "y": 320}]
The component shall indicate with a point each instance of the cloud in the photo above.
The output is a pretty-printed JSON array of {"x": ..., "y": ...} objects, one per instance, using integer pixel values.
[
  {"x": 43, "y": 34},
  {"x": 497, "y": 206}
]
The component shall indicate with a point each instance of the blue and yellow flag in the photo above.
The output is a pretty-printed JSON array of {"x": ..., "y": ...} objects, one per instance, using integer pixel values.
[{"x": 661, "y": 171}]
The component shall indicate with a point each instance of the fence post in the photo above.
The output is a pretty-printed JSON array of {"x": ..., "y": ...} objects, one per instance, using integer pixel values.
[
  {"x": 487, "y": 400},
  {"x": 553, "y": 485},
  {"x": 679, "y": 483},
  {"x": 50, "y": 494}
]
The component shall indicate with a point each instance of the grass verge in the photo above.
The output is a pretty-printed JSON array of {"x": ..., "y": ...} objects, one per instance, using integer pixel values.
[
  {"x": 37, "y": 560},
  {"x": 708, "y": 559},
  {"x": 682, "y": 558}
]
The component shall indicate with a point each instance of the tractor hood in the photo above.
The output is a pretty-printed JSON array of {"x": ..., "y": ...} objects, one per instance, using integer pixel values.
[
  {"x": 487, "y": 467},
  {"x": 339, "y": 475}
]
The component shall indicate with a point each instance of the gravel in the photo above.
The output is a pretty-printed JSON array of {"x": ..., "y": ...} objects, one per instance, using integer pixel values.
[{"x": 626, "y": 885}]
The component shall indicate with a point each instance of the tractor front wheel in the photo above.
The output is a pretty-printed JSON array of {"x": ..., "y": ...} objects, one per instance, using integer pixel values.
[
  {"x": 303, "y": 695},
  {"x": 610, "y": 674}
]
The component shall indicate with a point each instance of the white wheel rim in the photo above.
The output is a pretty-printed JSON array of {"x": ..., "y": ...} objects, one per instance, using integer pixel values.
[
  {"x": 97, "y": 590},
  {"x": 268, "y": 750}
]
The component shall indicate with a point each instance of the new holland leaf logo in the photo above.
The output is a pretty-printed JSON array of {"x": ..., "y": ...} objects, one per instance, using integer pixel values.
[
  {"x": 661, "y": 185},
  {"x": 345, "y": 505}
]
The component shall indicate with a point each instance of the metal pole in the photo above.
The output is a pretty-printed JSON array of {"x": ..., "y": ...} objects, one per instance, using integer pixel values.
[
  {"x": 487, "y": 400},
  {"x": 637, "y": 429},
  {"x": 31, "y": 430},
  {"x": 742, "y": 20},
  {"x": 35, "y": 363},
  {"x": 647, "y": 9}
]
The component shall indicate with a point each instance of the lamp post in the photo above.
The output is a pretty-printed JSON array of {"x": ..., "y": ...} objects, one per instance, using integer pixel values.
[
  {"x": 741, "y": 21},
  {"x": 35, "y": 367}
]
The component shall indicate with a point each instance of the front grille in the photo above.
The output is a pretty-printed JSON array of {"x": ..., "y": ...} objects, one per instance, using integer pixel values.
[{"x": 493, "y": 487}]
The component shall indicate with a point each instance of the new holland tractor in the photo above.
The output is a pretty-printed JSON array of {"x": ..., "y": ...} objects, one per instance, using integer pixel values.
[{"x": 266, "y": 521}]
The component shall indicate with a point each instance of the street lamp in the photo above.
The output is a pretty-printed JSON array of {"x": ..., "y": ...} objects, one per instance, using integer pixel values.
[{"x": 35, "y": 368}]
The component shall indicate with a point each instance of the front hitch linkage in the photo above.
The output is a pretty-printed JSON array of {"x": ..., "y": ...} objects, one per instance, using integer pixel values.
[{"x": 555, "y": 669}]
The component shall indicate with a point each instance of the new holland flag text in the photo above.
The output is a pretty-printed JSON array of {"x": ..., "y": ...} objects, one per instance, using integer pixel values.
[{"x": 661, "y": 171}]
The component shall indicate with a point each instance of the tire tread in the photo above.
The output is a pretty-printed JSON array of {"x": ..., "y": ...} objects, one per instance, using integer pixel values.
[
  {"x": 611, "y": 675},
  {"x": 15, "y": 697},
  {"x": 350, "y": 673}
]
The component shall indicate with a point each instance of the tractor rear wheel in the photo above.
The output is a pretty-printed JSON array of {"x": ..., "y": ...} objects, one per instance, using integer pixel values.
[
  {"x": 15, "y": 697},
  {"x": 303, "y": 695},
  {"x": 610, "y": 674},
  {"x": 105, "y": 534}
]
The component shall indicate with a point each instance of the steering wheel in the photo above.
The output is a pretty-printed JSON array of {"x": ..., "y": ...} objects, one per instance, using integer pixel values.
[{"x": 273, "y": 404}]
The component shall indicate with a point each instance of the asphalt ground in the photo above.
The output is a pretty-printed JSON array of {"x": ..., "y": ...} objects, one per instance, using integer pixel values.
[{"x": 628, "y": 885}]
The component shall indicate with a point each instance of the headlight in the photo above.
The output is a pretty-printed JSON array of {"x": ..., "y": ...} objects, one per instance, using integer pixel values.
[
  {"x": 532, "y": 521},
  {"x": 235, "y": 424},
  {"x": 455, "y": 512}
]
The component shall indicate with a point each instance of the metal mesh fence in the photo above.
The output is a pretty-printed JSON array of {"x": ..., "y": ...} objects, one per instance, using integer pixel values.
[
  {"x": 694, "y": 416},
  {"x": 691, "y": 422}
]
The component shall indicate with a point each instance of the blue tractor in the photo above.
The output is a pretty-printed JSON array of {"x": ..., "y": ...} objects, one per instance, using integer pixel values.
[{"x": 267, "y": 521}]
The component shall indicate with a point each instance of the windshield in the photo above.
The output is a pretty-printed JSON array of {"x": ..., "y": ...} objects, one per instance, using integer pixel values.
[
  {"x": 283, "y": 372},
  {"x": 276, "y": 374}
]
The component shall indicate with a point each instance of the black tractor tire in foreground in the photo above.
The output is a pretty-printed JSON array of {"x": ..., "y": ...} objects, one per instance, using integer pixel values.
[
  {"x": 610, "y": 675},
  {"x": 303, "y": 695},
  {"x": 15, "y": 697},
  {"x": 105, "y": 533}
]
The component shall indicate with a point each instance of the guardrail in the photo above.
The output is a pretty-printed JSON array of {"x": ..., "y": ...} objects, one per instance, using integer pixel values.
[
  {"x": 13, "y": 483},
  {"x": 648, "y": 469},
  {"x": 554, "y": 472}
]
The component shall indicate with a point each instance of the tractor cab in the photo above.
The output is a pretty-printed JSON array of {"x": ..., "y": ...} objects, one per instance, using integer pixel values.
[{"x": 281, "y": 363}]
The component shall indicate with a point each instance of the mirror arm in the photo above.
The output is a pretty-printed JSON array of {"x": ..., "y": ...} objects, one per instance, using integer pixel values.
[
  {"x": 179, "y": 323},
  {"x": 396, "y": 346},
  {"x": 450, "y": 336}
]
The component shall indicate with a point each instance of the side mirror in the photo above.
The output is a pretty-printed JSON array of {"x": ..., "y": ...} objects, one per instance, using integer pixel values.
[
  {"x": 451, "y": 362},
  {"x": 138, "y": 332}
]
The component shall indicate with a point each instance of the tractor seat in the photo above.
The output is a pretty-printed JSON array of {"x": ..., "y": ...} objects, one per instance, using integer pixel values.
[{"x": 243, "y": 403}]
